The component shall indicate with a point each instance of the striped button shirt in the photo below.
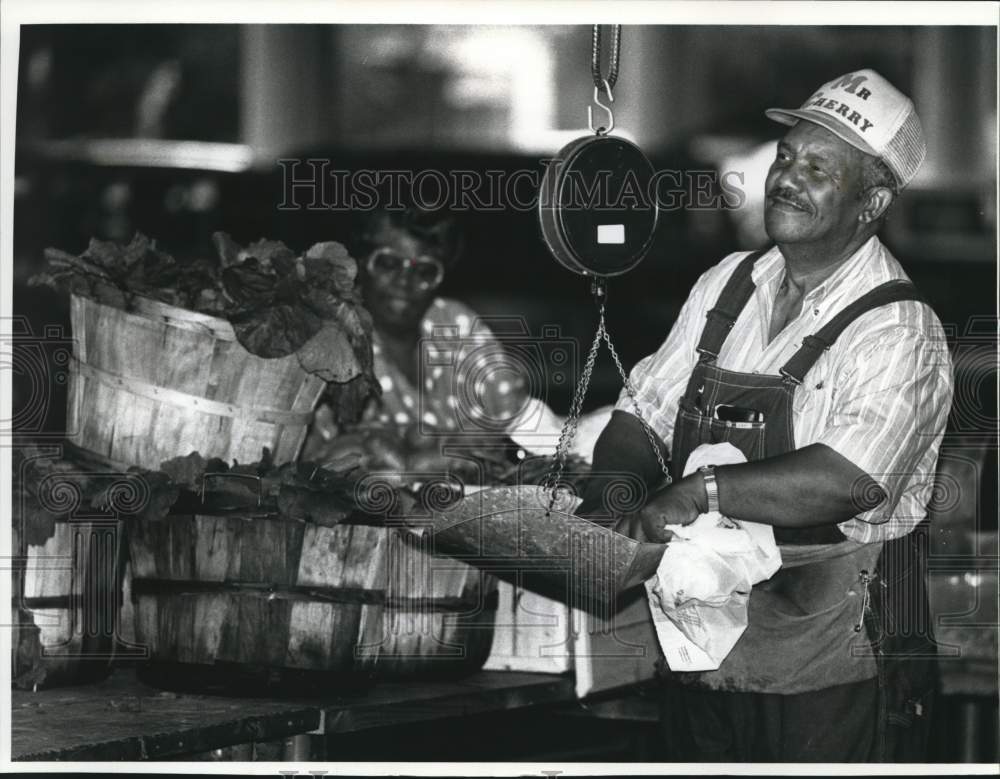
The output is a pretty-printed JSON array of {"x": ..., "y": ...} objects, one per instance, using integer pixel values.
[{"x": 880, "y": 396}]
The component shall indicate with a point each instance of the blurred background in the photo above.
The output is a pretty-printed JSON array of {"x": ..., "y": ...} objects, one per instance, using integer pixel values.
[{"x": 176, "y": 131}]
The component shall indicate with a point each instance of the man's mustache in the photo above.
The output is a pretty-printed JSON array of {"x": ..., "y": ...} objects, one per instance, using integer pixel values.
[{"x": 788, "y": 197}]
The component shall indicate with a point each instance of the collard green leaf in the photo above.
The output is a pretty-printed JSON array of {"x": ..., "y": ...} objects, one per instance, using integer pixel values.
[
  {"x": 329, "y": 355},
  {"x": 277, "y": 331},
  {"x": 249, "y": 285},
  {"x": 348, "y": 400},
  {"x": 185, "y": 471},
  {"x": 272, "y": 255}
]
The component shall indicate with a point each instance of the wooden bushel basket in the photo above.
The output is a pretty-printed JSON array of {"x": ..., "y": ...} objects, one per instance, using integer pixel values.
[
  {"x": 440, "y": 613},
  {"x": 65, "y": 604},
  {"x": 257, "y": 600},
  {"x": 267, "y": 601},
  {"x": 159, "y": 382}
]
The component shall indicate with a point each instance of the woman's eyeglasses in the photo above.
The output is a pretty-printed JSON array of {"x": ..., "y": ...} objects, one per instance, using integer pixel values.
[{"x": 428, "y": 271}]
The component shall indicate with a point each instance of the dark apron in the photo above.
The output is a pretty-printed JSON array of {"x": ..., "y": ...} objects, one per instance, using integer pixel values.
[{"x": 822, "y": 619}]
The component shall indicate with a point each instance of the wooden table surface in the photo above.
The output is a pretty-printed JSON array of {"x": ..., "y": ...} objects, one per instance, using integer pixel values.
[{"x": 123, "y": 719}]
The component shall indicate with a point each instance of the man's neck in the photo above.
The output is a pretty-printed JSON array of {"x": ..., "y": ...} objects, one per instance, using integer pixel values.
[{"x": 809, "y": 265}]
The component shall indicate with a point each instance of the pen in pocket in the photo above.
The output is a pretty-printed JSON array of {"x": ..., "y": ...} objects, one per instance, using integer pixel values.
[{"x": 727, "y": 413}]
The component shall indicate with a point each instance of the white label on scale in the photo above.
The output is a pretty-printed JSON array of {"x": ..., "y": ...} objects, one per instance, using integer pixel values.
[{"x": 611, "y": 233}]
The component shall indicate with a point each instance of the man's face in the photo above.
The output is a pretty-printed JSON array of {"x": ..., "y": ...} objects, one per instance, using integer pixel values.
[
  {"x": 813, "y": 188},
  {"x": 398, "y": 280}
]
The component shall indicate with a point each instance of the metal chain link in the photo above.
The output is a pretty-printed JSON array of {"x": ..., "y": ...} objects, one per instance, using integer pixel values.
[
  {"x": 635, "y": 405},
  {"x": 595, "y": 57},
  {"x": 568, "y": 433}
]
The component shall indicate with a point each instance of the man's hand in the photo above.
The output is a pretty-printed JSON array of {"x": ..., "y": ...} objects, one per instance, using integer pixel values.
[{"x": 678, "y": 504}]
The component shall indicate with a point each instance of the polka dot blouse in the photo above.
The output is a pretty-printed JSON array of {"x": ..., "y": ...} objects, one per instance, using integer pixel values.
[{"x": 466, "y": 380}]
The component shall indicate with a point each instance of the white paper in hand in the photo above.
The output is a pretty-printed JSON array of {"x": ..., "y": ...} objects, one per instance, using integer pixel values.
[{"x": 698, "y": 597}]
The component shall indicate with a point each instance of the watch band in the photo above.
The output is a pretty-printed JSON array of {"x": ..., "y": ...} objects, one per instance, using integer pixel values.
[{"x": 711, "y": 486}]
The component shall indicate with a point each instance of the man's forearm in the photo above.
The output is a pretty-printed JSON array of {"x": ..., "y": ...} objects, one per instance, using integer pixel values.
[
  {"x": 810, "y": 486},
  {"x": 621, "y": 451}
]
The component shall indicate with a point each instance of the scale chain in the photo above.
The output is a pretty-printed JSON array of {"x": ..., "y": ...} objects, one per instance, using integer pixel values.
[
  {"x": 635, "y": 404},
  {"x": 595, "y": 57},
  {"x": 568, "y": 433}
]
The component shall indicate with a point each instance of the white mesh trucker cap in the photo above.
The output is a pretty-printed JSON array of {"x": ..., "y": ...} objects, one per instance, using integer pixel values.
[{"x": 869, "y": 113}]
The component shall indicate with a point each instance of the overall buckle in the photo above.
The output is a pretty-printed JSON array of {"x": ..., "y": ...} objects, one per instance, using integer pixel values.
[{"x": 789, "y": 377}]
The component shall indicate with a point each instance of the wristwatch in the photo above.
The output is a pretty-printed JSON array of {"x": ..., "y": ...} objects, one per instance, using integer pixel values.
[{"x": 711, "y": 486}]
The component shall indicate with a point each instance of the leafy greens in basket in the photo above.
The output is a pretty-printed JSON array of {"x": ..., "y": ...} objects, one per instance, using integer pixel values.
[{"x": 278, "y": 302}]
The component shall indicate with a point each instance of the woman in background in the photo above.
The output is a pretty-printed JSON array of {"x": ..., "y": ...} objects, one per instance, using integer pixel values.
[{"x": 445, "y": 377}]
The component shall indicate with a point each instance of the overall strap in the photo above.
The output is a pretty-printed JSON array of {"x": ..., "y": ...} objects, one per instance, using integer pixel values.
[
  {"x": 732, "y": 300},
  {"x": 813, "y": 346}
]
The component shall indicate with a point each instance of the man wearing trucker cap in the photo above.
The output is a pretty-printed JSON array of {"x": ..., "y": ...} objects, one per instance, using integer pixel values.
[{"x": 820, "y": 362}]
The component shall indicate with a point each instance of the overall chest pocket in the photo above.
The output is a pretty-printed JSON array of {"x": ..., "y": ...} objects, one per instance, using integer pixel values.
[{"x": 696, "y": 428}]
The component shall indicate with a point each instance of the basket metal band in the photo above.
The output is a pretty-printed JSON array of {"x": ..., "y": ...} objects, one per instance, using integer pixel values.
[
  {"x": 428, "y": 604},
  {"x": 221, "y": 329},
  {"x": 188, "y": 401},
  {"x": 47, "y": 602}
]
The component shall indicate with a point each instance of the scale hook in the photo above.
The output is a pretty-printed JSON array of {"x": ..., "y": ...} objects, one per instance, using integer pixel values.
[{"x": 607, "y": 108}]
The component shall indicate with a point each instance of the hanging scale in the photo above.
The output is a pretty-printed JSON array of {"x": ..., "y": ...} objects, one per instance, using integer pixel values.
[
  {"x": 596, "y": 209},
  {"x": 598, "y": 217}
]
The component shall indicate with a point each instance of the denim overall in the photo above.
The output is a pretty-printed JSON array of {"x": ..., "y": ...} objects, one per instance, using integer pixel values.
[{"x": 824, "y": 618}]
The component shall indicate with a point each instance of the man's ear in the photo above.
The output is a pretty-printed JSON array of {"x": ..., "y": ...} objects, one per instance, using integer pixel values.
[{"x": 877, "y": 202}]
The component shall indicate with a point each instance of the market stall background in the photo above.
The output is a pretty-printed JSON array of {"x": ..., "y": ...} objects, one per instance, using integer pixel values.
[{"x": 177, "y": 131}]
